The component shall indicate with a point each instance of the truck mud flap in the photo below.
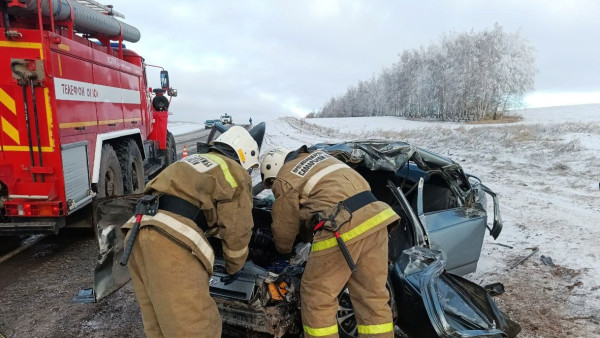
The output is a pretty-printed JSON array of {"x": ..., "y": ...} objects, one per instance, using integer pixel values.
[{"x": 109, "y": 215}]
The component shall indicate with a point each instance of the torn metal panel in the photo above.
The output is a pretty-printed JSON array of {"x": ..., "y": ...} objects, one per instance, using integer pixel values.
[
  {"x": 454, "y": 306},
  {"x": 109, "y": 215},
  {"x": 497, "y": 227}
]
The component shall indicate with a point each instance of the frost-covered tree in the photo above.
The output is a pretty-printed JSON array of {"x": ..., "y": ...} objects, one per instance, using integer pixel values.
[{"x": 465, "y": 76}]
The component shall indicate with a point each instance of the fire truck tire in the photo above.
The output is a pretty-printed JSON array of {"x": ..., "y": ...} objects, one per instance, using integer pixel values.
[
  {"x": 110, "y": 180},
  {"x": 171, "y": 151},
  {"x": 132, "y": 166}
]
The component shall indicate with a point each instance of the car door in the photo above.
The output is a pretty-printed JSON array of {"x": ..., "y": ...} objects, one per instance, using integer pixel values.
[{"x": 456, "y": 229}]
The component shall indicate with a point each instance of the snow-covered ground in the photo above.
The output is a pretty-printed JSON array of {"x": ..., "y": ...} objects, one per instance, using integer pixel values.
[
  {"x": 370, "y": 125},
  {"x": 180, "y": 128},
  {"x": 546, "y": 171}
]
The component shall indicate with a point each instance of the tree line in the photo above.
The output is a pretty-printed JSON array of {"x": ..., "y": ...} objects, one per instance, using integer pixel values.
[{"x": 464, "y": 76}]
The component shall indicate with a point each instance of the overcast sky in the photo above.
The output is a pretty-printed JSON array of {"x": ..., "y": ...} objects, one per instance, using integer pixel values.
[{"x": 265, "y": 59}]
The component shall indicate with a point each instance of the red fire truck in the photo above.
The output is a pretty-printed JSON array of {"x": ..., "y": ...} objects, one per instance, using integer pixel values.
[{"x": 77, "y": 118}]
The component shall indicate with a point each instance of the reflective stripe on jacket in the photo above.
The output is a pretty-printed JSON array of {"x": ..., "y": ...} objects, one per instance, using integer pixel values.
[
  {"x": 315, "y": 182},
  {"x": 183, "y": 231},
  {"x": 222, "y": 189}
]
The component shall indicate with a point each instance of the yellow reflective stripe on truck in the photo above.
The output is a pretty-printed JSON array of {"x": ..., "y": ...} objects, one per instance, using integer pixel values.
[
  {"x": 10, "y": 130},
  {"x": 8, "y": 101}
]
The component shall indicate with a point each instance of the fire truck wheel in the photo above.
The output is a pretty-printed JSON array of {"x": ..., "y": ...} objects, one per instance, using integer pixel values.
[
  {"x": 171, "y": 152},
  {"x": 110, "y": 181},
  {"x": 132, "y": 166}
]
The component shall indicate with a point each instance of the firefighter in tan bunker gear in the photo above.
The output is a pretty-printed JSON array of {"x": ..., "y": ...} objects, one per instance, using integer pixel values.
[
  {"x": 171, "y": 263},
  {"x": 309, "y": 188}
]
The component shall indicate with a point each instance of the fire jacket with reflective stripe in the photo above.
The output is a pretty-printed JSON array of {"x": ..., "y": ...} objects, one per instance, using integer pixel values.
[
  {"x": 315, "y": 182},
  {"x": 222, "y": 189}
]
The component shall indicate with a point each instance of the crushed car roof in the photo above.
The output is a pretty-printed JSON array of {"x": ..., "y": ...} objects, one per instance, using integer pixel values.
[{"x": 385, "y": 155}]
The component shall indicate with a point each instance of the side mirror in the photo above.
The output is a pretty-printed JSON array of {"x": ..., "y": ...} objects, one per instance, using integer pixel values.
[
  {"x": 172, "y": 92},
  {"x": 164, "y": 79}
]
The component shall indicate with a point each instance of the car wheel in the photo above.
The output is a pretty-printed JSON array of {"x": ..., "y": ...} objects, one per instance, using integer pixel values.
[
  {"x": 110, "y": 180},
  {"x": 346, "y": 318},
  {"x": 132, "y": 167}
]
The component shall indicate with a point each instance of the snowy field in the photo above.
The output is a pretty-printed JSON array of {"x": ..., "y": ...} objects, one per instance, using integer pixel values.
[
  {"x": 546, "y": 170},
  {"x": 180, "y": 128},
  {"x": 552, "y": 115}
]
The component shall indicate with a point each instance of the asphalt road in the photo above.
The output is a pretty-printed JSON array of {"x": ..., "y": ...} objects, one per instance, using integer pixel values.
[{"x": 191, "y": 139}]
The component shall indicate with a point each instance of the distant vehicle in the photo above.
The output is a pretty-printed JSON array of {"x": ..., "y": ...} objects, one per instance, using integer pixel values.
[
  {"x": 209, "y": 123},
  {"x": 226, "y": 119}
]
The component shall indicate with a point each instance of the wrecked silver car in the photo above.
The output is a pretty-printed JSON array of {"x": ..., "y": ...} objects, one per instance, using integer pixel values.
[{"x": 439, "y": 238}]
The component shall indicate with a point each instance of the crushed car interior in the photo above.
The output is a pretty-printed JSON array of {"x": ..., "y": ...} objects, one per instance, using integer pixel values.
[{"x": 438, "y": 240}]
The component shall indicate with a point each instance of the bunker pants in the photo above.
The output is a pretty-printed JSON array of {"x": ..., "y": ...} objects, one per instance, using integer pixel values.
[
  {"x": 325, "y": 277},
  {"x": 171, "y": 287}
]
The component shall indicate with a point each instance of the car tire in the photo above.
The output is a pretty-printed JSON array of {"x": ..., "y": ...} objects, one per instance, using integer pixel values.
[
  {"x": 110, "y": 180},
  {"x": 347, "y": 326},
  {"x": 132, "y": 167}
]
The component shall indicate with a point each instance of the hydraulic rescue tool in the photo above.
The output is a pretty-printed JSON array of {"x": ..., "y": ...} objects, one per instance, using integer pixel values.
[
  {"x": 339, "y": 215},
  {"x": 147, "y": 205},
  {"x": 339, "y": 240}
]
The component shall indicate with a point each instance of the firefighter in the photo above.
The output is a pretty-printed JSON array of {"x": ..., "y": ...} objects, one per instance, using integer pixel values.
[
  {"x": 316, "y": 193},
  {"x": 171, "y": 263}
]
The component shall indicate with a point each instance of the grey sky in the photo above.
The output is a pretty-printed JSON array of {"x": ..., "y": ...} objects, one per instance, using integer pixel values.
[{"x": 267, "y": 59}]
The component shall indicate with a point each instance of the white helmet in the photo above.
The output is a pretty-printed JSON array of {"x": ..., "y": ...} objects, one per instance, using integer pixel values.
[
  {"x": 272, "y": 163},
  {"x": 243, "y": 144}
]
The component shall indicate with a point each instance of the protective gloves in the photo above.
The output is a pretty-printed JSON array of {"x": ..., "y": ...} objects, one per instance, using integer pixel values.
[{"x": 226, "y": 280}]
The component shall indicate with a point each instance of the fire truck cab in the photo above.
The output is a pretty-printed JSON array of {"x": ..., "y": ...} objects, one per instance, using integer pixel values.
[{"x": 78, "y": 120}]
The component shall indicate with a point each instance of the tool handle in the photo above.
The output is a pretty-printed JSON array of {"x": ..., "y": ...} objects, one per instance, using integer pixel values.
[
  {"x": 345, "y": 252},
  {"x": 131, "y": 240},
  {"x": 318, "y": 226}
]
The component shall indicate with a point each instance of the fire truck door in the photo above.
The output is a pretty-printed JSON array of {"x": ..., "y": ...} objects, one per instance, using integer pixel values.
[
  {"x": 132, "y": 107},
  {"x": 75, "y": 95},
  {"x": 109, "y": 100}
]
